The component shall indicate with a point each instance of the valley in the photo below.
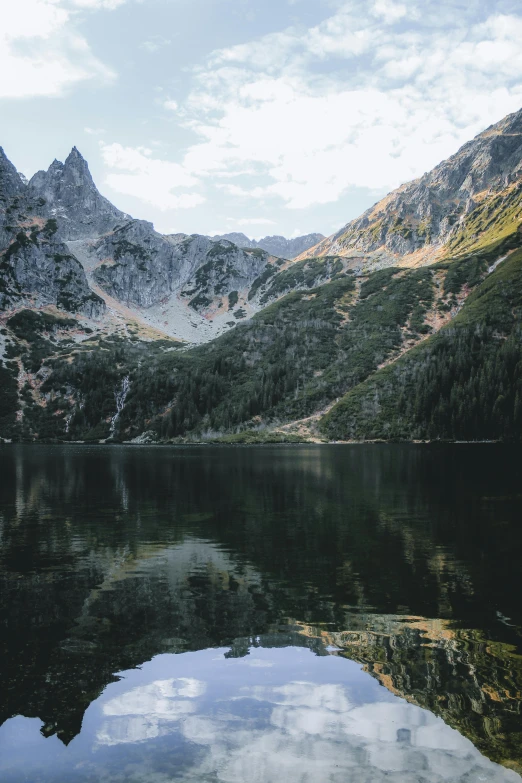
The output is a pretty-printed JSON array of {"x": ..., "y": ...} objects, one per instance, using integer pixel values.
[{"x": 404, "y": 325}]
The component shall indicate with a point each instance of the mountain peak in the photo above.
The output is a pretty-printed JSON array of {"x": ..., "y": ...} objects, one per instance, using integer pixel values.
[
  {"x": 75, "y": 157},
  {"x": 11, "y": 183},
  {"x": 69, "y": 192},
  {"x": 422, "y": 215},
  {"x": 56, "y": 165},
  {"x": 275, "y": 245}
]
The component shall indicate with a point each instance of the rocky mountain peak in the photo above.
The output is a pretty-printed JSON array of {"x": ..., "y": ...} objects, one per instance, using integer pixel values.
[
  {"x": 275, "y": 245},
  {"x": 426, "y": 212},
  {"x": 12, "y": 196},
  {"x": 70, "y": 193},
  {"x": 11, "y": 183}
]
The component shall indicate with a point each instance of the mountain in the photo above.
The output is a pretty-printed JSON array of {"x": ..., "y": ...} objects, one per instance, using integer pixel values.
[
  {"x": 64, "y": 244},
  {"x": 71, "y": 196},
  {"x": 276, "y": 245},
  {"x": 36, "y": 267},
  {"x": 137, "y": 265},
  {"x": 415, "y": 221},
  {"x": 396, "y": 333},
  {"x": 12, "y": 190}
]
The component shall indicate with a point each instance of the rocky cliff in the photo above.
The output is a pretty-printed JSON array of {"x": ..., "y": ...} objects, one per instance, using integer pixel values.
[
  {"x": 59, "y": 236},
  {"x": 193, "y": 287},
  {"x": 36, "y": 267},
  {"x": 37, "y": 270},
  {"x": 12, "y": 193},
  {"x": 138, "y": 266},
  {"x": 70, "y": 195}
]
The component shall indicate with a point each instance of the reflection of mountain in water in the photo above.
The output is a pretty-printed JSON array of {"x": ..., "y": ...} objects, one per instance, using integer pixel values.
[
  {"x": 474, "y": 684},
  {"x": 110, "y": 557}
]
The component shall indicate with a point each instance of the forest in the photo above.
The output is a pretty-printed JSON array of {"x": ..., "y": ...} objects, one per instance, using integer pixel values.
[{"x": 341, "y": 340}]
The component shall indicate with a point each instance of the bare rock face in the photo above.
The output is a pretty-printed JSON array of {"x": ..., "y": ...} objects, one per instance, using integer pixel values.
[
  {"x": 71, "y": 196},
  {"x": 36, "y": 269},
  {"x": 428, "y": 210},
  {"x": 141, "y": 267},
  {"x": 12, "y": 197},
  {"x": 276, "y": 245}
]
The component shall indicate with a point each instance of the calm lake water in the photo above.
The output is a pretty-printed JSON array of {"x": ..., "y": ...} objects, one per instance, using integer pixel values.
[{"x": 300, "y": 614}]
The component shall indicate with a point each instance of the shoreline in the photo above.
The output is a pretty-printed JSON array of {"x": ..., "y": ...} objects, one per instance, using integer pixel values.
[{"x": 160, "y": 444}]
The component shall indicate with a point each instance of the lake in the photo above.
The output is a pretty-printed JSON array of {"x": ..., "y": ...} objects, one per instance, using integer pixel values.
[{"x": 297, "y": 613}]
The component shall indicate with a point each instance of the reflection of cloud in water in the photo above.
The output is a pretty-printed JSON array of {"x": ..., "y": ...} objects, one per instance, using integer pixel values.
[
  {"x": 310, "y": 733},
  {"x": 314, "y": 735},
  {"x": 257, "y": 663},
  {"x": 148, "y": 711}
]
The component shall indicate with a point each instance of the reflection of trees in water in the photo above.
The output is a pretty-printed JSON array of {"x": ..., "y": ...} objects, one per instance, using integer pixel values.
[
  {"x": 474, "y": 684},
  {"x": 111, "y": 556}
]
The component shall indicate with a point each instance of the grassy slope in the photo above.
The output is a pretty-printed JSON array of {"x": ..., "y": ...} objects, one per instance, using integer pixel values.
[{"x": 290, "y": 360}]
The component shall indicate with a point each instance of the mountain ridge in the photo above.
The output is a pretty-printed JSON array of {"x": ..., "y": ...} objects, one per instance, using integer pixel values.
[
  {"x": 71, "y": 195},
  {"x": 275, "y": 245},
  {"x": 420, "y": 216},
  {"x": 384, "y": 339}
]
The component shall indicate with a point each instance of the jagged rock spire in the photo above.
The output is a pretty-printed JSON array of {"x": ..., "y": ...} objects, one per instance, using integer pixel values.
[{"x": 70, "y": 193}]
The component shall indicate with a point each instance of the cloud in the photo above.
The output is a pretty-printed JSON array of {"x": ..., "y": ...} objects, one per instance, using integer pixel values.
[
  {"x": 147, "y": 178},
  {"x": 94, "y": 5},
  {"x": 389, "y": 11},
  {"x": 312, "y": 732},
  {"x": 41, "y": 52},
  {"x": 374, "y": 95},
  {"x": 148, "y": 711},
  {"x": 298, "y": 730},
  {"x": 171, "y": 105}
]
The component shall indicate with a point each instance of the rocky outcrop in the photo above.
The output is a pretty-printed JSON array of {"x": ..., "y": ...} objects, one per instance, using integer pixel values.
[
  {"x": 275, "y": 245},
  {"x": 70, "y": 195},
  {"x": 428, "y": 211},
  {"x": 12, "y": 198},
  {"x": 141, "y": 267},
  {"x": 36, "y": 269}
]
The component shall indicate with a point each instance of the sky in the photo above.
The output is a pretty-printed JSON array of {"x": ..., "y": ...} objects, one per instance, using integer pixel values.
[{"x": 260, "y": 116}]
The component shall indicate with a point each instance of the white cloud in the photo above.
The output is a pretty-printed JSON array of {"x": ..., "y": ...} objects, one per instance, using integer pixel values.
[
  {"x": 158, "y": 699},
  {"x": 94, "y": 131},
  {"x": 313, "y": 733},
  {"x": 94, "y": 5},
  {"x": 171, "y": 105},
  {"x": 41, "y": 52},
  {"x": 148, "y": 711},
  {"x": 389, "y": 11},
  {"x": 371, "y": 97},
  {"x": 136, "y": 173}
]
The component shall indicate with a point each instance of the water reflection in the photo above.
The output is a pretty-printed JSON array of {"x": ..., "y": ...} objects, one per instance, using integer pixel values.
[
  {"x": 248, "y": 719},
  {"x": 397, "y": 566}
]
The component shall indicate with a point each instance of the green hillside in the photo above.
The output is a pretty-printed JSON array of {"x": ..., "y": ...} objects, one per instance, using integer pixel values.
[{"x": 465, "y": 382}]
